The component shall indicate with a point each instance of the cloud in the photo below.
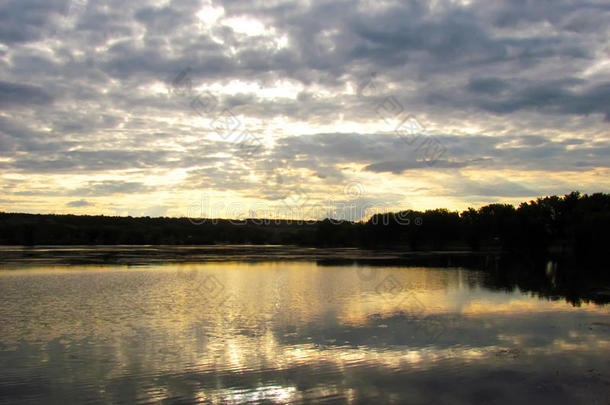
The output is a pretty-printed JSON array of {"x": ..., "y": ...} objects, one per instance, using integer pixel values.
[
  {"x": 109, "y": 187},
  {"x": 497, "y": 187},
  {"x": 390, "y": 153},
  {"x": 87, "y": 98},
  {"x": 14, "y": 94},
  {"x": 553, "y": 99},
  {"x": 79, "y": 203},
  {"x": 28, "y": 20},
  {"x": 399, "y": 166},
  {"x": 491, "y": 86}
]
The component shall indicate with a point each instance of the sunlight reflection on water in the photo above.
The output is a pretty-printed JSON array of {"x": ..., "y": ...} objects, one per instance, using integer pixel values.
[{"x": 283, "y": 332}]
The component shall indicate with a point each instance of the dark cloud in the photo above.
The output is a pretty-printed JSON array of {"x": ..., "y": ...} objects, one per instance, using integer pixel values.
[
  {"x": 389, "y": 153},
  {"x": 492, "y": 86},
  {"x": 400, "y": 166},
  {"x": 79, "y": 203},
  {"x": 14, "y": 94},
  {"x": 102, "y": 160},
  {"x": 28, "y": 20},
  {"x": 553, "y": 99}
]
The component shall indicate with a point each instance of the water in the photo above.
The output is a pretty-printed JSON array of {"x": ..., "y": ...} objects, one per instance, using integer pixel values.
[{"x": 292, "y": 332}]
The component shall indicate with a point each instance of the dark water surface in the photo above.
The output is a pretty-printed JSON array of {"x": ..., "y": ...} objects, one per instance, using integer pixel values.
[{"x": 291, "y": 332}]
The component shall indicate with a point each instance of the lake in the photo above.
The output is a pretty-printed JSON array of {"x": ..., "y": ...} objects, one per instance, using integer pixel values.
[{"x": 281, "y": 331}]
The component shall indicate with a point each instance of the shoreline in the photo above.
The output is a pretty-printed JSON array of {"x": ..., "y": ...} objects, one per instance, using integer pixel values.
[{"x": 154, "y": 254}]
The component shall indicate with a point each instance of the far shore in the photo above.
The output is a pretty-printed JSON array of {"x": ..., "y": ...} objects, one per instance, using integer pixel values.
[{"x": 150, "y": 254}]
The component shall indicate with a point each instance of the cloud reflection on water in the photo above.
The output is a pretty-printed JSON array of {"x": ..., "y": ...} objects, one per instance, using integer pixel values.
[{"x": 283, "y": 332}]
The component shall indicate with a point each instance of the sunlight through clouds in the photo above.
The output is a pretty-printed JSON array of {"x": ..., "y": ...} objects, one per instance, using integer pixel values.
[{"x": 324, "y": 92}]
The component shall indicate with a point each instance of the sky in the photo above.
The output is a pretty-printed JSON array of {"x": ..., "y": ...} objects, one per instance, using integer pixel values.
[{"x": 302, "y": 109}]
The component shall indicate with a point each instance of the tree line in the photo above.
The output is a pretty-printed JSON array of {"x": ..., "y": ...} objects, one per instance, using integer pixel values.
[{"x": 575, "y": 224}]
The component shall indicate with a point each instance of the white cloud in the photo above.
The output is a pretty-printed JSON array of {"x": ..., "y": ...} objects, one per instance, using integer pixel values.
[{"x": 518, "y": 92}]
